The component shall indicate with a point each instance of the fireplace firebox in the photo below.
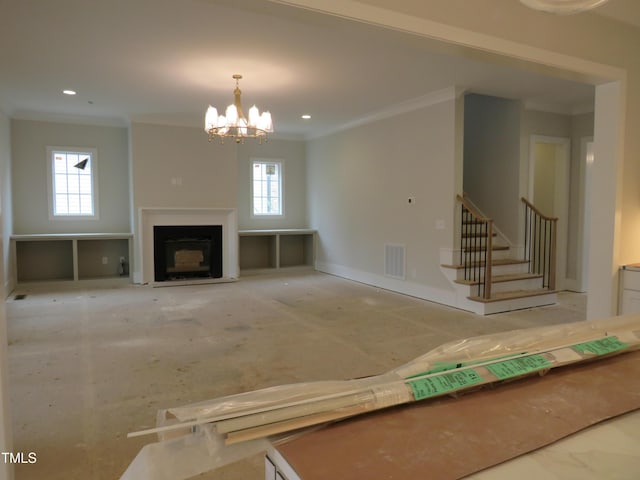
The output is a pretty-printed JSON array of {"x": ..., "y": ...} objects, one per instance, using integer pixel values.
[{"x": 183, "y": 252}]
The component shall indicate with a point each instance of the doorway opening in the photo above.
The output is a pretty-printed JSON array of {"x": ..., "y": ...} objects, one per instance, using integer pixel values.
[{"x": 549, "y": 191}]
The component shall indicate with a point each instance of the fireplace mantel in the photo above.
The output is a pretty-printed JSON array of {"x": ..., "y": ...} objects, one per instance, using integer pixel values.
[{"x": 150, "y": 217}]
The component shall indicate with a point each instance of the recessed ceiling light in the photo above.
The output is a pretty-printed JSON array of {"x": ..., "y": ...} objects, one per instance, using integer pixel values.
[
  {"x": 306, "y": 117},
  {"x": 69, "y": 92}
]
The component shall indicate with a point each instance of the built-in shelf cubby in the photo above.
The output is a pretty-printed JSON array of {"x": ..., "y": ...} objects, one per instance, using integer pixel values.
[
  {"x": 273, "y": 249},
  {"x": 71, "y": 257}
]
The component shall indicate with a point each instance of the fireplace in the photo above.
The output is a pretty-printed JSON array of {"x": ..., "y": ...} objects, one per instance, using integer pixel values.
[{"x": 183, "y": 252}]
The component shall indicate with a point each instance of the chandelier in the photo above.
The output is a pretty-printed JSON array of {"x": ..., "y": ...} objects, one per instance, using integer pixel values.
[
  {"x": 234, "y": 124},
  {"x": 563, "y": 6}
]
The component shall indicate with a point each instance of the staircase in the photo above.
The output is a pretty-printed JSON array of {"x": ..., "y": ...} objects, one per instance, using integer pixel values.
[{"x": 489, "y": 277}]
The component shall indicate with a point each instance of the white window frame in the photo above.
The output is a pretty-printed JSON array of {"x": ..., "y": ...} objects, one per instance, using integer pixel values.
[
  {"x": 280, "y": 164},
  {"x": 94, "y": 182}
]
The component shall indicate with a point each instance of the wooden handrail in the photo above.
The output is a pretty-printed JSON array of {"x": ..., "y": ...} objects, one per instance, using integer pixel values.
[
  {"x": 538, "y": 212},
  {"x": 540, "y": 244},
  {"x": 472, "y": 209}
]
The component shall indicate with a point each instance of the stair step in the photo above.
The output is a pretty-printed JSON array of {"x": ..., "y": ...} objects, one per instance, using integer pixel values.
[
  {"x": 478, "y": 235},
  {"x": 494, "y": 248},
  {"x": 501, "y": 278},
  {"x": 512, "y": 295},
  {"x": 494, "y": 262}
]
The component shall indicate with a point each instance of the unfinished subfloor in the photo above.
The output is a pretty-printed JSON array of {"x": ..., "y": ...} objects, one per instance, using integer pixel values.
[{"x": 87, "y": 366}]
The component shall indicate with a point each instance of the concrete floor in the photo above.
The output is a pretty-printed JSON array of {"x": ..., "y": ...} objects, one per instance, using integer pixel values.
[{"x": 87, "y": 366}]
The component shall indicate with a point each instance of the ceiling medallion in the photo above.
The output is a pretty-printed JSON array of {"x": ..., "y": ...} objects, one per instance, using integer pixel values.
[{"x": 563, "y": 6}]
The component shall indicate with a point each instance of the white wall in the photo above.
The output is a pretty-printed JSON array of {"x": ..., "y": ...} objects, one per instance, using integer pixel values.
[
  {"x": 6, "y": 471},
  {"x": 492, "y": 158},
  {"x": 29, "y": 140},
  {"x": 359, "y": 182},
  {"x": 292, "y": 153}
]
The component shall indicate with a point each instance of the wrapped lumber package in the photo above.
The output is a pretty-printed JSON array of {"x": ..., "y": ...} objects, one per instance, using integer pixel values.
[{"x": 228, "y": 428}]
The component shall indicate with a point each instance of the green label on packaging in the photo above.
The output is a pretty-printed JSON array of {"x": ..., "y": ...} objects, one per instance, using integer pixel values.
[
  {"x": 444, "y": 366},
  {"x": 600, "y": 347},
  {"x": 518, "y": 366},
  {"x": 440, "y": 384}
]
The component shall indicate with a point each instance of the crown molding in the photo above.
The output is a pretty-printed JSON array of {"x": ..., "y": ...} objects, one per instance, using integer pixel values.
[
  {"x": 71, "y": 119},
  {"x": 432, "y": 98},
  {"x": 559, "y": 109}
]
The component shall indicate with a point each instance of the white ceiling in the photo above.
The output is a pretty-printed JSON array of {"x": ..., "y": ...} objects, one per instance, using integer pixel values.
[
  {"x": 627, "y": 11},
  {"x": 163, "y": 61}
]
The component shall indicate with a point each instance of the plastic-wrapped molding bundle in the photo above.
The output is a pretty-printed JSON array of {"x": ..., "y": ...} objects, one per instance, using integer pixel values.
[{"x": 205, "y": 436}]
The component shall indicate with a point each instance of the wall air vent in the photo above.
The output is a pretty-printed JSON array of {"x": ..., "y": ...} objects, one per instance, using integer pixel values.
[{"x": 394, "y": 261}]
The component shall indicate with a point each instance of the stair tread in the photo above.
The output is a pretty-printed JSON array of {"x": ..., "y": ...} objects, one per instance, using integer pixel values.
[
  {"x": 494, "y": 262},
  {"x": 502, "y": 278},
  {"x": 483, "y": 248},
  {"x": 478, "y": 235},
  {"x": 512, "y": 295}
]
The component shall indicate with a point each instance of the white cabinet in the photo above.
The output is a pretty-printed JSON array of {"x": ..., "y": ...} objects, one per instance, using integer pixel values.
[{"x": 630, "y": 287}]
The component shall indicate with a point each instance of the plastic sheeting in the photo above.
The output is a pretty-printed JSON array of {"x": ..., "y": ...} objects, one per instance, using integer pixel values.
[{"x": 205, "y": 449}]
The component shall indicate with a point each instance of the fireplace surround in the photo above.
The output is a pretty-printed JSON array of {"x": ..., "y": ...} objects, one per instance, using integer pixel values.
[{"x": 150, "y": 217}]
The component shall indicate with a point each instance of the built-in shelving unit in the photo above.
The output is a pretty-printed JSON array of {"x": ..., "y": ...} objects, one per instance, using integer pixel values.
[
  {"x": 274, "y": 249},
  {"x": 71, "y": 257}
]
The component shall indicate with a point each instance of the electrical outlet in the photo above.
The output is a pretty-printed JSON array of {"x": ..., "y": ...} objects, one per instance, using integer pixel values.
[{"x": 105, "y": 260}]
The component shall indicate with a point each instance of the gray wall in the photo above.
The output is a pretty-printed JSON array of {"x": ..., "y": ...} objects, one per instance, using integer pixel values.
[
  {"x": 492, "y": 159},
  {"x": 359, "y": 182},
  {"x": 29, "y": 140},
  {"x": 292, "y": 153},
  {"x": 178, "y": 167}
]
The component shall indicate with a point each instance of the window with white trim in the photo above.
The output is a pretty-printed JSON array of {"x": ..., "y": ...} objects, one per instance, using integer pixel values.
[
  {"x": 266, "y": 188},
  {"x": 72, "y": 182}
]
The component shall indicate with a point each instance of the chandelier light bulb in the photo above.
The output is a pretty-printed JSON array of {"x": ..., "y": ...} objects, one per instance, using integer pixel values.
[{"x": 254, "y": 116}]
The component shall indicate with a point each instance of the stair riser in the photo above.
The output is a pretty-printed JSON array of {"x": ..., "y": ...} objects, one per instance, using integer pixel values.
[
  {"x": 498, "y": 270},
  {"x": 519, "y": 303},
  {"x": 495, "y": 254},
  {"x": 521, "y": 284},
  {"x": 506, "y": 305},
  {"x": 524, "y": 284},
  {"x": 476, "y": 242}
]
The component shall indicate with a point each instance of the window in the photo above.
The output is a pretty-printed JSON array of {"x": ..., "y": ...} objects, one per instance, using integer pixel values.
[
  {"x": 72, "y": 173},
  {"x": 266, "y": 188}
]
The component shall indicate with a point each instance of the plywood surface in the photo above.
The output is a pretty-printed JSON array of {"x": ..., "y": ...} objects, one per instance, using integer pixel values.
[{"x": 450, "y": 438}]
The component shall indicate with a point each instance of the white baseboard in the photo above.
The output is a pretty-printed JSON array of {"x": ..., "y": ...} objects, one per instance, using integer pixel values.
[{"x": 424, "y": 292}]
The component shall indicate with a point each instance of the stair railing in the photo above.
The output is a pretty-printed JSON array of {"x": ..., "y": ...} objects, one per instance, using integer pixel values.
[
  {"x": 476, "y": 243},
  {"x": 540, "y": 244}
]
